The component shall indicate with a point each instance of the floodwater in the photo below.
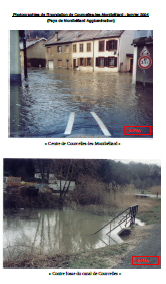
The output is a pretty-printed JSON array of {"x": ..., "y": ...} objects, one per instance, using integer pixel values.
[
  {"x": 41, "y": 105},
  {"x": 56, "y": 230}
]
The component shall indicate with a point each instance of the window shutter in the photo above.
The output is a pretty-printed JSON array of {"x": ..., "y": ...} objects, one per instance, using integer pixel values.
[
  {"x": 97, "y": 64},
  {"x": 84, "y": 61},
  {"x": 78, "y": 61},
  {"x": 115, "y": 44},
  {"x": 92, "y": 61},
  {"x": 107, "y": 45},
  {"x": 57, "y": 49},
  {"x": 115, "y": 61},
  {"x": 105, "y": 61}
]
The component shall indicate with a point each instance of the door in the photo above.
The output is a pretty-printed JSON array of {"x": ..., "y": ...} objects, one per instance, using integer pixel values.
[
  {"x": 51, "y": 64},
  {"x": 74, "y": 63},
  {"x": 131, "y": 65},
  {"x": 67, "y": 64}
]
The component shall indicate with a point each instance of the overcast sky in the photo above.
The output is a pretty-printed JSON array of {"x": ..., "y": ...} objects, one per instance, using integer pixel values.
[{"x": 143, "y": 161}]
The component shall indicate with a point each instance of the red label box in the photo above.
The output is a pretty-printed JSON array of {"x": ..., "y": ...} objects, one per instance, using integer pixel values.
[
  {"x": 136, "y": 130},
  {"x": 143, "y": 260}
]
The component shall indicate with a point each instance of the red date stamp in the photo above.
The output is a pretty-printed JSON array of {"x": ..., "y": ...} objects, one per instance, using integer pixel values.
[
  {"x": 145, "y": 260},
  {"x": 137, "y": 130},
  {"x": 134, "y": 130},
  {"x": 142, "y": 260}
]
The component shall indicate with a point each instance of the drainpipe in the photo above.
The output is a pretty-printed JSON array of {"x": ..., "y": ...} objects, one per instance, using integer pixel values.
[
  {"x": 93, "y": 55},
  {"x": 119, "y": 67},
  {"x": 25, "y": 56}
]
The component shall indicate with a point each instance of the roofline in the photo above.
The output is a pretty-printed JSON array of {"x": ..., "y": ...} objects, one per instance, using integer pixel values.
[
  {"x": 109, "y": 36},
  {"x": 93, "y": 38},
  {"x": 34, "y": 43}
]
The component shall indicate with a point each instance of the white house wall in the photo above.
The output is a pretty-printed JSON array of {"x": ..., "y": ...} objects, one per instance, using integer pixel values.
[
  {"x": 126, "y": 40},
  {"x": 105, "y": 53},
  {"x": 84, "y": 54}
]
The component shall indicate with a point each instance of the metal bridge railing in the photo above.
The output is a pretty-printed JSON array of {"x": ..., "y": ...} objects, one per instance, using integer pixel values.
[{"x": 130, "y": 215}]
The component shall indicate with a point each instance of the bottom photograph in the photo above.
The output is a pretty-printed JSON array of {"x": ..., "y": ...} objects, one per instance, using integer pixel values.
[{"x": 81, "y": 214}]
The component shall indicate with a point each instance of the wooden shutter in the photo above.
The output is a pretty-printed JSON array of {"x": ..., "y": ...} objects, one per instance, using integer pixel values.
[
  {"x": 107, "y": 45},
  {"x": 84, "y": 61},
  {"x": 92, "y": 61},
  {"x": 57, "y": 49},
  {"x": 115, "y": 61},
  {"x": 97, "y": 62},
  {"x": 78, "y": 61},
  {"x": 115, "y": 44}
]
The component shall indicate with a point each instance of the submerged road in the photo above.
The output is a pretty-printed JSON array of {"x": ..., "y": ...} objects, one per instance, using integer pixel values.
[
  {"x": 150, "y": 246},
  {"x": 63, "y": 103}
]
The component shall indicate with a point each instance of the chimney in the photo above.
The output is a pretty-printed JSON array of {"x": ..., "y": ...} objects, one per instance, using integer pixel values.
[
  {"x": 56, "y": 36},
  {"x": 77, "y": 34}
]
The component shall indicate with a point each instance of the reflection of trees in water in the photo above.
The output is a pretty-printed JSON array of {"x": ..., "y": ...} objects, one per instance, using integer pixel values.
[{"x": 56, "y": 231}]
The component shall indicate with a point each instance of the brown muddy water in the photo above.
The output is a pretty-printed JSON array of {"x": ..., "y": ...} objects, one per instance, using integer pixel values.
[
  {"x": 53, "y": 231},
  {"x": 41, "y": 105}
]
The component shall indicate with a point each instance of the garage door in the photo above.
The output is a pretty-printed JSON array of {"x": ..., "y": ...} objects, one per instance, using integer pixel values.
[{"x": 51, "y": 64}]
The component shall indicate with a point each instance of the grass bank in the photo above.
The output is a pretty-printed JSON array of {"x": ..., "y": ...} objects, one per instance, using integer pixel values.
[
  {"x": 153, "y": 215},
  {"x": 83, "y": 260}
]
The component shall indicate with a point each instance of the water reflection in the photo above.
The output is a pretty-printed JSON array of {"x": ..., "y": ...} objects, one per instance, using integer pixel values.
[
  {"x": 57, "y": 230},
  {"x": 41, "y": 106}
]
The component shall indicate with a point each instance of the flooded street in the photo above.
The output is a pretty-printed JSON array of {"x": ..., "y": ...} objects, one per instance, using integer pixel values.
[
  {"x": 56, "y": 230},
  {"x": 42, "y": 105}
]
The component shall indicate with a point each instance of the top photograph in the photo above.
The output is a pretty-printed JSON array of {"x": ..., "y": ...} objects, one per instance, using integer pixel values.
[{"x": 81, "y": 84}]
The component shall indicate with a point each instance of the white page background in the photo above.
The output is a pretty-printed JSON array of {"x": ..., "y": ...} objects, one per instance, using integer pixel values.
[{"x": 129, "y": 149}]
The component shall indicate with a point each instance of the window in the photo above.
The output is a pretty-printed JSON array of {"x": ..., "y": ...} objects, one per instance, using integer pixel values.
[
  {"x": 88, "y": 47},
  {"x": 111, "y": 45},
  {"x": 66, "y": 48},
  {"x": 49, "y": 50},
  {"x": 59, "y": 49},
  {"x": 74, "y": 47},
  {"x": 88, "y": 61},
  {"x": 111, "y": 61},
  {"x": 81, "y": 47},
  {"x": 101, "y": 45},
  {"x": 101, "y": 61}
]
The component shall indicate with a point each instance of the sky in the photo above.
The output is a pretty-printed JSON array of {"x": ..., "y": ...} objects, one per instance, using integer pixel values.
[{"x": 143, "y": 161}]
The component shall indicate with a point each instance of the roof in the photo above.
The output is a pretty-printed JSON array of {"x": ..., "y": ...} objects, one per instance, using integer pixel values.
[
  {"x": 69, "y": 36},
  {"x": 109, "y": 33},
  {"x": 142, "y": 41},
  {"x": 30, "y": 42}
]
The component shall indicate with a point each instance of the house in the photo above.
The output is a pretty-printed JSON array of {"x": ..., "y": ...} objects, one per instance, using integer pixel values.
[
  {"x": 94, "y": 50},
  {"x": 83, "y": 50},
  {"x": 35, "y": 52},
  {"x": 113, "y": 51},
  {"x": 143, "y": 40},
  {"x": 58, "y": 50}
]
